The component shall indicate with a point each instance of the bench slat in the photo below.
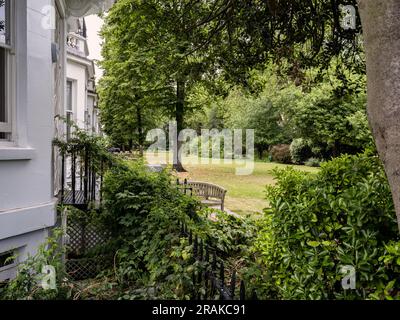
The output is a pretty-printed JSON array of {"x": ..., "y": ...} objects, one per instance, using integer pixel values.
[{"x": 207, "y": 191}]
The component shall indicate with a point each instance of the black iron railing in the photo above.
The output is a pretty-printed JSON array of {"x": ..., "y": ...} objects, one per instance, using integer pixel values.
[
  {"x": 213, "y": 274},
  {"x": 81, "y": 178}
]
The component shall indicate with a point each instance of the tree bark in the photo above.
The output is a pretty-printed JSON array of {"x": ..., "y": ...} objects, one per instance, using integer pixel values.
[
  {"x": 130, "y": 144},
  {"x": 381, "y": 28},
  {"x": 179, "y": 114},
  {"x": 140, "y": 129}
]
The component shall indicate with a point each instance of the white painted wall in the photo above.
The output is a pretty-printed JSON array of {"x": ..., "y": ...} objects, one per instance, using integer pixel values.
[
  {"x": 80, "y": 70},
  {"x": 27, "y": 204},
  {"x": 27, "y": 207},
  {"x": 77, "y": 73}
]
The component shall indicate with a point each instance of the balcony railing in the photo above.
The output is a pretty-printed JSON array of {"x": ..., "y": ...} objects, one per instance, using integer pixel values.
[
  {"x": 82, "y": 162},
  {"x": 76, "y": 43},
  {"x": 81, "y": 180}
]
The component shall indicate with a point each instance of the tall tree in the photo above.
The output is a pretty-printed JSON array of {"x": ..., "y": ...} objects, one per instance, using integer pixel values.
[
  {"x": 182, "y": 38},
  {"x": 126, "y": 110},
  {"x": 168, "y": 47},
  {"x": 381, "y": 29}
]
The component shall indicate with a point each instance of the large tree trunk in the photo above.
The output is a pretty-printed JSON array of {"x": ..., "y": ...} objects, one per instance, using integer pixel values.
[
  {"x": 381, "y": 28},
  {"x": 179, "y": 114}
]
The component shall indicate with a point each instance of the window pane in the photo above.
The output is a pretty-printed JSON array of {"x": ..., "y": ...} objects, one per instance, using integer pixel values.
[
  {"x": 69, "y": 119},
  {"x": 90, "y": 102},
  {"x": 69, "y": 95},
  {"x": 3, "y": 22}
]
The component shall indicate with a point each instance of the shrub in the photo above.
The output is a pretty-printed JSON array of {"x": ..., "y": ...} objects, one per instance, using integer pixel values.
[
  {"x": 144, "y": 212},
  {"x": 281, "y": 153},
  {"x": 227, "y": 233},
  {"x": 317, "y": 223},
  {"x": 300, "y": 151},
  {"x": 389, "y": 289},
  {"x": 27, "y": 284},
  {"x": 313, "y": 162},
  {"x": 333, "y": 119}
]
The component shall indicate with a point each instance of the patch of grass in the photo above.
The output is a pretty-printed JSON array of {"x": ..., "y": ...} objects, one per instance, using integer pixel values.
[{"x": 246, "y": 193}]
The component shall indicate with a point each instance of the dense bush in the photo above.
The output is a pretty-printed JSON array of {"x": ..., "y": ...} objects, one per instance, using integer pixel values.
[
  {"x": 327, "y": 110},
  {"x": 27, "y": 285},
  {"x": 317, "y": 223},
  {"x": 228, "y": 234},
  {"x": 389, "y": 289},
  {"x": 144, "y": 212},
  {"x": 264, "y": 108},
  {"x": 281, "y": 153},
  {"x": 300, "y": 151}
]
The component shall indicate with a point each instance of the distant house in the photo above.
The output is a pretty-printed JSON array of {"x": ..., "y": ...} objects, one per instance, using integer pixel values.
[
  {"x": 34, "y": 89},
  {"x": 81, "y": 89}
]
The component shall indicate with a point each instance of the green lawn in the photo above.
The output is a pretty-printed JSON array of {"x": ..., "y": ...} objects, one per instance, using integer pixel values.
[{"x": 245, "y": 193}]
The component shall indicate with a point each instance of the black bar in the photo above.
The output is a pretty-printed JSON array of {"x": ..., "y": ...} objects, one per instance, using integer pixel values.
[
  {"x": 62, "y": 176},
  {"x": 94, "y": 186},
  {"x": 222, "y": 276},
  {"x": 101, "y": 181},
  {"x": 73, "y": 172},
  {"x": 242, "y": 291},
  {"x": 85, "y": 187},
  {"x": 80, "y": 174},
  {"x": 89, "y": 180},
  {"x": 214, "y": 263},
  {"x": 195, "y": 246},
  {"x": 233, "y": 284},
  {"x": 201, "y": 250}
]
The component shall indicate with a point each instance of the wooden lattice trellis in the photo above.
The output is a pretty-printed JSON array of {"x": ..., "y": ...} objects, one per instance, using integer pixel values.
[{"x": 83, "y": 237}]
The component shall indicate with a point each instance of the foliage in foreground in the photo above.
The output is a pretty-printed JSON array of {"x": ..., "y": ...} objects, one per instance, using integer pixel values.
[
  {"x": 28, "y": 283},
  {"x": 316, "y": 224},
  {"x": 144, "y": 212}
]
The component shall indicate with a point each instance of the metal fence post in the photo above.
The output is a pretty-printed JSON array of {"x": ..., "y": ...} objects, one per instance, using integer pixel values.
[
  {"x": 242, "y": 291},
  {"x": 222, "y": 280},
  {"x": 233, "y": 285}
]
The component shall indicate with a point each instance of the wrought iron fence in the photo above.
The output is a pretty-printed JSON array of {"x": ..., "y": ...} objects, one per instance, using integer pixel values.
[
  {"x": 81, "y": 179},
  {"x": 209, "y": 282}
]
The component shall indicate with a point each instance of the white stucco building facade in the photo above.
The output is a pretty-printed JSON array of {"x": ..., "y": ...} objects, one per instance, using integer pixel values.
[
  {"x": 33, "y": 81},
  {"x": 81, "y": 91}
]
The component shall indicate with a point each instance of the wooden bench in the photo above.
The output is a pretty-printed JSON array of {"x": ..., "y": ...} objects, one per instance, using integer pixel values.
[{"x": 212, "y": 194}]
